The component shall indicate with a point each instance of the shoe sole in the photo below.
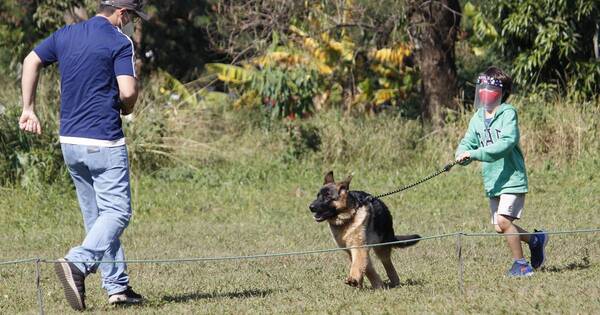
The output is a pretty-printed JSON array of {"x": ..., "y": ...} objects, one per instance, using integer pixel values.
[
  {"x": 544, "y": 250},
  {"x": 525, "y": 275},
  {"x": 125, "y": 302},
  {"x": 63, "y": 271}
]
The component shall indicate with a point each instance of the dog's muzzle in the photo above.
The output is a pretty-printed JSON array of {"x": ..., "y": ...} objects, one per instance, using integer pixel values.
[{"x": 321, "y": 215}]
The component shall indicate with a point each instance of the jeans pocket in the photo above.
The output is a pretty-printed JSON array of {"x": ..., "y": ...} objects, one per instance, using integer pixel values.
[{"x": 118, "y": 156}]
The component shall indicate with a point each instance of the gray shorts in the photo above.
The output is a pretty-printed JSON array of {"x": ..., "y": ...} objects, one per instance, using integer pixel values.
[{"x": 507, "y": 204}]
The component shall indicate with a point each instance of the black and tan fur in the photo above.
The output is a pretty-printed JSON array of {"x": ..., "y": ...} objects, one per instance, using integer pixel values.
[{"x": 357, "y": 219}]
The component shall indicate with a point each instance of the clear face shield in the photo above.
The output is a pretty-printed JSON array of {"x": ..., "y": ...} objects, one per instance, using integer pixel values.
[{"x": 488, "y": 93}]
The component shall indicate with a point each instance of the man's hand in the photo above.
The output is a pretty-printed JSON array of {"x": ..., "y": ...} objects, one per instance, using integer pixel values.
[
  {"x": 29, "y": 122},
  {"x": 463, "y": 157}
]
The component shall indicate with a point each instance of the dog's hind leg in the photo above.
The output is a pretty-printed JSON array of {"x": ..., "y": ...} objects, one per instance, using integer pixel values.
[
  {"x": 385, "y": 255},
  {"x": 374, "y": 278}
]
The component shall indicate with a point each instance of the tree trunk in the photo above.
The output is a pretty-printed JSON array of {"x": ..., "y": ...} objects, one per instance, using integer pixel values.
[
  {"x": 433, "y": 27},
  {"x": 139, "y": 56}
]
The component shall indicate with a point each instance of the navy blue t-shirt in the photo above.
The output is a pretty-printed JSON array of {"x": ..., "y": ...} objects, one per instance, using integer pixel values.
[{"x": 90, "y": 56}]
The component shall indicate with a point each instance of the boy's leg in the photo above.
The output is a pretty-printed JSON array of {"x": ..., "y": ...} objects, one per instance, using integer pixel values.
[
  {"x": 514, "y": 241},
  {"x": 509, "y": 207},
  {"x": 524, "y": 237}
]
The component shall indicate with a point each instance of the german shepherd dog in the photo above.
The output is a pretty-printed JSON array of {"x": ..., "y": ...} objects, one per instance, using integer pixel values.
[{"x": 357, "y": 219}]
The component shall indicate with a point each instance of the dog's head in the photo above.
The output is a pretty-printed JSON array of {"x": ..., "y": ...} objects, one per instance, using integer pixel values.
[{"x": 331, "y": 199}]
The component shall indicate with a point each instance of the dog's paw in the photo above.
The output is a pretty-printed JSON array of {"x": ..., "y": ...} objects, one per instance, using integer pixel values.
[{"x": 353, "y": 282}]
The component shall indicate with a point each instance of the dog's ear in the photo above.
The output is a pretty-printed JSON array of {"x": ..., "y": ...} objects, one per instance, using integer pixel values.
[
  {"x": 345, "y": 185},
  {"x": 329, "y": 178}
]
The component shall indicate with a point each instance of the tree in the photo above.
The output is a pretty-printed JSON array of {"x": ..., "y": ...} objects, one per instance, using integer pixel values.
[
  {"x": 433, "y": 27},
  {"x": 550, "y": 43},
  {"x": 357, "y": 46},
  {"x": 175, "y": 39}
]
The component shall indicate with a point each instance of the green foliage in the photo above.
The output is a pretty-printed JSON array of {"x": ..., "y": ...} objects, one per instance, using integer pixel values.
[
  {"x": 50, "y": 14},
  {"x": 175, "y": 38},
  {"x": 17, "y": 32},
  {"x": 348, "y": 54},
  {"x": 550, "y": 42},
  {"x": 303, "y": 139},
  {"x": 282, "y": 91},
  {"x": 288, "y": 92},
  {"x": 30, "y": 160}
]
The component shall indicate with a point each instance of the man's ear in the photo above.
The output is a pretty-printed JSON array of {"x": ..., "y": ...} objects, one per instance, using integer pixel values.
[
  {"x": 329, "y": 178},
  {"x": 345, "y": 185}
]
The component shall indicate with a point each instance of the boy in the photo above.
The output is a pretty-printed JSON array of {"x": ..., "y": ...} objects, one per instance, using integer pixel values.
[{"x": 493, "y": 139}]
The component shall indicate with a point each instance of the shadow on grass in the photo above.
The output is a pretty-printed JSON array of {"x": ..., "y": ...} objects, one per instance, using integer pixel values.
[
  {"x": 578, "y": 265},
  {"x": 407, "y": 283},
  {"x": 411, "y": 282},
  {"x": 214, "y": 295}
]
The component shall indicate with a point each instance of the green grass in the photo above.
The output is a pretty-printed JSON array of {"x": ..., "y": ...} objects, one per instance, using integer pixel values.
[{"x": 247, "y": 197}]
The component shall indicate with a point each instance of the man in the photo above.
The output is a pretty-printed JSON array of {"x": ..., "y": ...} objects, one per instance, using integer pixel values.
[{"x": 98, "y": 83}]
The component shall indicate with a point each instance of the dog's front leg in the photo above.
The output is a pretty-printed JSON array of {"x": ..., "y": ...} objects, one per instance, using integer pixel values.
[{"x": 358, "y": 266}]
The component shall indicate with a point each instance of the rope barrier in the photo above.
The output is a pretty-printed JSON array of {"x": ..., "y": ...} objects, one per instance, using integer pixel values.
[
  {"x": 296, "y": 253},
  {"x": 18, "y": 261}
]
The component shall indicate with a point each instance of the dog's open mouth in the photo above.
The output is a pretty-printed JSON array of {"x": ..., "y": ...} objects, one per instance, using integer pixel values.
[{"x": 322, "y": 216}]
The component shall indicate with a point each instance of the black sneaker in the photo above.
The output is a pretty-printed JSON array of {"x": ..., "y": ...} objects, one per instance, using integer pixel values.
[
  {"x": 126, "y": 297},
  {"x": 73, "y": 283}
]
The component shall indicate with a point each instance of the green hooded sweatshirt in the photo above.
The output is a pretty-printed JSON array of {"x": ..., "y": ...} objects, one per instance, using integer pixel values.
[{"x": 497, "y": 147}]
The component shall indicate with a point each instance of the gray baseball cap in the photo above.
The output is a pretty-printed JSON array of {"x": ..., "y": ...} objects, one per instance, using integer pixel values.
[{"x": 133, "y": 5}]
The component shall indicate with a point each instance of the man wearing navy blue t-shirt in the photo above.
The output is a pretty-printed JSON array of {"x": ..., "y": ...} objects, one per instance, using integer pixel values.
[{"x": 96, "y": 61}]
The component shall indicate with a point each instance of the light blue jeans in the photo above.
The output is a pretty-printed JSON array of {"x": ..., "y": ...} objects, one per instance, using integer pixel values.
[{"x": 101, "y": 178}]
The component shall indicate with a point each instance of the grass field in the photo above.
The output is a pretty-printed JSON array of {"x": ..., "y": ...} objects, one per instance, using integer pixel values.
[{"x": 244, "y": 199}]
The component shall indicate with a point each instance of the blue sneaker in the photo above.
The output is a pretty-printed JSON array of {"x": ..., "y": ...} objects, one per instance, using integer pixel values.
[
  {"x": 538, "y": 252},
  {"x": 520, "y": 270}
]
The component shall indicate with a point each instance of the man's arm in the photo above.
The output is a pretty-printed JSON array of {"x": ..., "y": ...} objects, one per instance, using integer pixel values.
[
  {"x": 128, "y": 93},
  {"x": 29, "y": 79}
]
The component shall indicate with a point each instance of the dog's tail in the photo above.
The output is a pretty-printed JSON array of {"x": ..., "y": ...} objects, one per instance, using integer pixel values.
[{"x": 412, "y": 240}]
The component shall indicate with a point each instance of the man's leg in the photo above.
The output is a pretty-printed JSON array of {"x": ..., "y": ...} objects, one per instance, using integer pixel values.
[
  {"x": 110, "y": 175},
  {"x": 72, "y": 275},
  {"x": 114, "y": 276}
]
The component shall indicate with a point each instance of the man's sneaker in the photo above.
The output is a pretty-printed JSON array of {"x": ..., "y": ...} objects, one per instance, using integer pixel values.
[
  {"x": 126, "y": 297},
  {"x": 538, "y": 252},
  {"x": 520, "y": 270},
  {"x": 73, "y": 283}
]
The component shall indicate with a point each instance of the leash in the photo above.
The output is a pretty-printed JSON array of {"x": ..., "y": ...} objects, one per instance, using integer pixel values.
[{"x": 443, "y": 170}]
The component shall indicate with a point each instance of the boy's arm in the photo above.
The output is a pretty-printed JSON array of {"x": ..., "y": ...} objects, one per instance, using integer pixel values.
[
  {"x": 469, "y": 142},
  {"x": 508, "y": 139}
]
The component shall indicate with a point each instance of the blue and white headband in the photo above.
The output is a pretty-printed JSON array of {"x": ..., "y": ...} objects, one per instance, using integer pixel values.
[{"x": 484, "y": 79}]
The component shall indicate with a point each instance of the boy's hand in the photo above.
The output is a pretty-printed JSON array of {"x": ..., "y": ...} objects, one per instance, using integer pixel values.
[{"x": 463, "y": 157}]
